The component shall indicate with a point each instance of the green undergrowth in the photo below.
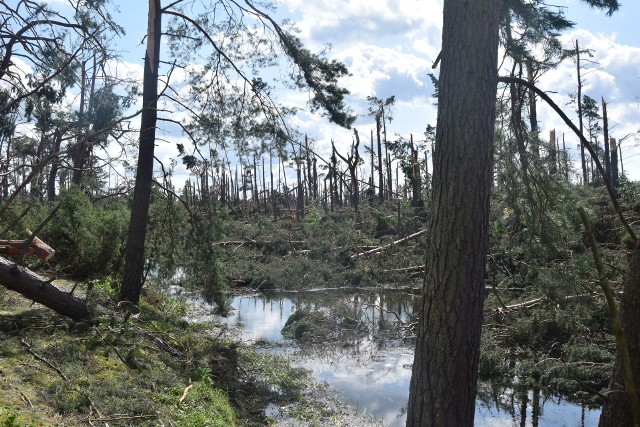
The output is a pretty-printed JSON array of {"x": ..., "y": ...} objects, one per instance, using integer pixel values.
[
  {"x": 318, "y": 252},
  {"x": 547, "y": 326},
  {"x": 131, "y": 366}
]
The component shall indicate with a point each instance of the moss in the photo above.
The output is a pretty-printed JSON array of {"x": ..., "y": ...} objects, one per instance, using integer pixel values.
[
  {"x": 10, "y": 418},
  {"x": 114, "y": 366}
]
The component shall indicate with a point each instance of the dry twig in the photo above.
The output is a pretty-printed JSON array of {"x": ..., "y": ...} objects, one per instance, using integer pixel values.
[{"x": 43, "y": 360}]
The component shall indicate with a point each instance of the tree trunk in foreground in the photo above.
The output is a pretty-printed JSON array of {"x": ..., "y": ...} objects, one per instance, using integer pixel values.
[
  {"x": 38, "y": 289},
  {"x": 616, "y": 411},
  {"x": 443, "y": 384},
  {"x": 134, "y": 257}
]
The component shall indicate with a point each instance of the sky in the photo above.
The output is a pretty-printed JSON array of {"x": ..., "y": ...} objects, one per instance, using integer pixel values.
[{"x": 390, "y": 45}]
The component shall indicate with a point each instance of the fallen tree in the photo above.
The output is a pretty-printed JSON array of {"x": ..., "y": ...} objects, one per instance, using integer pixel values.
[
  {"x": 382, "y": 248},
  {"x": 34, "y": 246},
  {"x": 36, "y": 288}
]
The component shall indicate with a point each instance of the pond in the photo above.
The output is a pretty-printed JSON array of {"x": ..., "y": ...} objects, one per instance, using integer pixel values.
[{"x": 370, "y": 366}]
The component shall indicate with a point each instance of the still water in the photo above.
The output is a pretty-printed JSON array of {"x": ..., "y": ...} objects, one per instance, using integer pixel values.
[{"x": 371, "y": 369}]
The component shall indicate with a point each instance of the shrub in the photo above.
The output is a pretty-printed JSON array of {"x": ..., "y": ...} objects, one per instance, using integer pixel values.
[{"x": 88, "y": 238}]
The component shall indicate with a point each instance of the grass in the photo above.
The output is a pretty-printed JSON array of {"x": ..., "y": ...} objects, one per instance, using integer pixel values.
[{"x": 143, "y": 368}]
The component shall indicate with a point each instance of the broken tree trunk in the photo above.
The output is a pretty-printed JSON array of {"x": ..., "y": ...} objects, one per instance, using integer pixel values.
[
  {"x": 40, "y": 290},
  {"x": 382, "y": 248},
  {"x": 37, "y": 248}
]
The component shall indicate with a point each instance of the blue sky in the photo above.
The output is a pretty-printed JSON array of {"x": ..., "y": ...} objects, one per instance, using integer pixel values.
[{"x": 389, "y": 46}]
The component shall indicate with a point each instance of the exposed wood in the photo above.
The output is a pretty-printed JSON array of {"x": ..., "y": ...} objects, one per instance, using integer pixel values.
[
  {"x": 382, "y": 248},
  {"x": 525, "y": 304},
  {"x": 37, "y": 248},
  {"x": 416, "y": 269},
  {"x": 185, "y": 392},
  {"x": 40, "y": 290}
]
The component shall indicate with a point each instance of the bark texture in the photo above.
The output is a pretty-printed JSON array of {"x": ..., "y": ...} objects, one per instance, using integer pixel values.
[
  {"x": 617, "y": 409},
  {"x": 443, "y": 384},
  {"x": 134, "y": 260},
  {"x": 38, "y": 289}
]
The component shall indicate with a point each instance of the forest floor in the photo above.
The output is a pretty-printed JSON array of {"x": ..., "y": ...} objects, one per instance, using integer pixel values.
[{"x": 148, "y": 367}]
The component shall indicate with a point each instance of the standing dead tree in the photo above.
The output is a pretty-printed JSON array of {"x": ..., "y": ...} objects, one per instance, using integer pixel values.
[{"x": 352, "y": 161}]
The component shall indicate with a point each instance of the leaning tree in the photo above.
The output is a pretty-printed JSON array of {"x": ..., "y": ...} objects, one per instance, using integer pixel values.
[{"x": 234, "y": 40}]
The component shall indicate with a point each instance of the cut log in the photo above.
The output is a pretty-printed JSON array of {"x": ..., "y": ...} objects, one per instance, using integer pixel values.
[
  {"x": 37, "y": 248},
  {"x": 40, "y": 290}
]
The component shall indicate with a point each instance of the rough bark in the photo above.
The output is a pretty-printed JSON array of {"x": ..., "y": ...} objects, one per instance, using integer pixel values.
[
  {"x": 40, "y": 290},
  {"x": 443, "y": 384},
  {"x": 134, "y": 260}
]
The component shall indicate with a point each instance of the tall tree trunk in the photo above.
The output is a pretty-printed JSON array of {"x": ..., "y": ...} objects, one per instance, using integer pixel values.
[
  {"x": 614, "y": 162},
  {"x": 416, "y": 200},
  {"x": 273, "y": 194},
  {"x": 533, "y": 111},
  {"x": 299, "y": 191},
  {"x": 380, "y": 178},
  {"x": 372, "y": 186},
  {"x": 565, "y": 158},
  {"x": 553, "y": 154},
  {"x": 5, "y": 172},
  {"x": 78, "y": 151},
  {"x": 309, "y": 172},
  {"x": 315, "y": 178},
  {"x": 605, "y": 132},
  {"x": 53, "y": 172},
  {"x": 255, "y": 191},
  {"x": 443, "y": 383},
  {"x": 585, "y": 175},
  {"x": 387, "y": 156},
  {"x": 36, "y": 183},
  {"x": 264, "y": 188},
  {"x": 134, "y": 259}
]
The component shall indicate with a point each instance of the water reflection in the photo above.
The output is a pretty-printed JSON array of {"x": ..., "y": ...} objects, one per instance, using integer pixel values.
[{"x": 371, "y": 370}]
